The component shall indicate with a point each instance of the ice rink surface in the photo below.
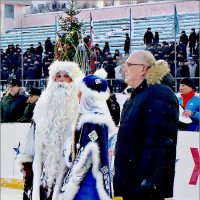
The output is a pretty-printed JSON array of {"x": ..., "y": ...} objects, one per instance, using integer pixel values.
[{"x": 11, "y": 194}]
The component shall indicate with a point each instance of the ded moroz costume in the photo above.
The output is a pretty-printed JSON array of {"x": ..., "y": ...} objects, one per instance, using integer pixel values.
[{"x": 54, "y": 114}]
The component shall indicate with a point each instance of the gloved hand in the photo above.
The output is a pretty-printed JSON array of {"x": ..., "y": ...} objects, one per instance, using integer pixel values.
[
  {"x": 147, "y": 185},
  {"x": 147, "y": 188}
]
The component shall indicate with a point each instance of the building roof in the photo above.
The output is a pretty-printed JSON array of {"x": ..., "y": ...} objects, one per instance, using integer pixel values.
[{"x": 24, "y": 2}]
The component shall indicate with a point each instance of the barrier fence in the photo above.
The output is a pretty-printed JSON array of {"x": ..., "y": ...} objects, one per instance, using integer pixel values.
[{"x": 186, "y": 185}]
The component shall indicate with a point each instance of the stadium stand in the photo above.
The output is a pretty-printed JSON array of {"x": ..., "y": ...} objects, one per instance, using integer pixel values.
[{"x": 112, "y": 30}]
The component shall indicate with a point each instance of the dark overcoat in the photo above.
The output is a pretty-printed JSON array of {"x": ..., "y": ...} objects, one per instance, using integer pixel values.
[{"x": 146, "y": 144}]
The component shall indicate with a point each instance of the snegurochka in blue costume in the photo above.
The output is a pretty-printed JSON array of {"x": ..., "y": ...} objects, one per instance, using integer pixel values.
[{"x": 89, "y": 176}]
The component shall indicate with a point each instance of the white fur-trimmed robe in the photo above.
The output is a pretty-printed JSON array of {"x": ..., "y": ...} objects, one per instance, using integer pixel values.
[{"x": 54, "y": 116}]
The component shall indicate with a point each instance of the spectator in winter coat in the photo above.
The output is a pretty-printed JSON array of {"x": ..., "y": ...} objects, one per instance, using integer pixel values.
[
  {"x": 18, "y": 49},
  {"x": 13, "y": 103},
  {"x": 4, "y": 77},
  {"x": 190, "y": 104},
  {"x": 198, "y": 39},
  {"x": 92, "y": 60},
  {"x": 30, "y": 75},
  {"x": 117, "y": 58},
  {"x": 113, "y": 106},
  {"x": 192, "y": 65},
  {"x": 39, "y": 49},
  {"x": 156, "y": 39},
  {"x": 145, "y": 153},
  {"x": 184, "y": 38},
  {"x": 148, "y": 38},
  {"x": 192, "y": 41},
  {"x": 32, "y": 49},
  {"x": 48, "y": 45},
  {"x": 34, "y": 94},
  {"x": 127, "y": 44},
  {"x": 106, "y": 48}
]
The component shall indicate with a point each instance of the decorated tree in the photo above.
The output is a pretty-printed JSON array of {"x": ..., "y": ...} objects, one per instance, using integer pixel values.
[{"x": 69, "y": 45}]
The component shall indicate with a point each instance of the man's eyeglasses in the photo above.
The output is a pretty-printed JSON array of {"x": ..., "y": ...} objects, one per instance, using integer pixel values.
[
  {"x": 136, "y": 64},
  {"x": 129, "y": 64}
]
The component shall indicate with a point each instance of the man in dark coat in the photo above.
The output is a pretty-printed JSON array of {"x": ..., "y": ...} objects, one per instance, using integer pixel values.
[
  {"x": 192, "y": 41},
  {"x": 145, "y": 153},
  {"x": 113, "y": 106},
  {"x": 127, "y": 44},
  {"x": 34, "y": 94},
  {"x": 13, "y": 103},
  {"x": 148, "y": 38},
  {"x": 184, "y": 38},
  {"x": 39, "y": 49}
]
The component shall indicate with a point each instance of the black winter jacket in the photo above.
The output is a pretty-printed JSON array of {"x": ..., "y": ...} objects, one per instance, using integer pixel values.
[
  {"x": 28, "y": 113},
  {"x": 146, "y": 144},
  {"x": 12, "y": 107}
]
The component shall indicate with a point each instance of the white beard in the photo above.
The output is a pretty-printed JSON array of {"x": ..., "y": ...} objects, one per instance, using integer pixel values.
[{"x": 54, "y": 114}]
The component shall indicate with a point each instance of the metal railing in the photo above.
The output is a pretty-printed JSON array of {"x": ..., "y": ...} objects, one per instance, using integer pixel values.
[{"x": 117, "y": 84}]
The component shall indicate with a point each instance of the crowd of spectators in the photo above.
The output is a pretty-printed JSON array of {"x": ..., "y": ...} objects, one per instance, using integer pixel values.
[
  {"x": 36, "y": 60},
  {"x": 186, "y": 63}
]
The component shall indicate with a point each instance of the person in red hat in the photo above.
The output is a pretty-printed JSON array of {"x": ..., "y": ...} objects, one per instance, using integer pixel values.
[{"x": 190, "y": 104}]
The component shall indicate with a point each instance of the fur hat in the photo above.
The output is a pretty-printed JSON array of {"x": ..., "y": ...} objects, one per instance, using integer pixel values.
[
  {"x": 71, "y": 68},
  {"x": 34, "y": 91},
  {"x": 188, "y": 82},
  {"x": 95, "y": 85}
]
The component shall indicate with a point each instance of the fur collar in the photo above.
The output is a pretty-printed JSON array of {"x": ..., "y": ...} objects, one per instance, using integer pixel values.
[
  {"x": 100, "y": 119},
  {"x": 157, "y": 72}
]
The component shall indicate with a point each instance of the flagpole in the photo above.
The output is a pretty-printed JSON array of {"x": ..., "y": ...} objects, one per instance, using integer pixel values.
[
  {"x": 56, "y": 28},
  {"x": 175, "y": 60},
  {"x": 91, "y": 29},
  {"x": 22, "y": 56},
  {"x": 175, "y": 64},
  {"x": 130, "y": 30}
]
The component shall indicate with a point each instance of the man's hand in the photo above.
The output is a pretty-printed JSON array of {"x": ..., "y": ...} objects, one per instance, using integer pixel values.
[{"x": 187, "y": 113}]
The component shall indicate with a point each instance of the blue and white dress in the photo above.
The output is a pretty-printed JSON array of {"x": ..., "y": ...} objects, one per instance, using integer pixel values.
[{"x": 89, "y": 176}]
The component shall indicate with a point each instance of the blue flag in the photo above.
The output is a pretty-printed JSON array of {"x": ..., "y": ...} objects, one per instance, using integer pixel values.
[{"x": 176, "y": 24}]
